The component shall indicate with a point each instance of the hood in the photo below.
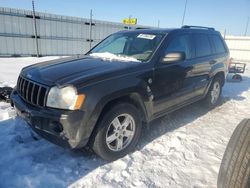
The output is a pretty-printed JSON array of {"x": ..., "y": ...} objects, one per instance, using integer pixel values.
[{"x": 74, "y": 70}]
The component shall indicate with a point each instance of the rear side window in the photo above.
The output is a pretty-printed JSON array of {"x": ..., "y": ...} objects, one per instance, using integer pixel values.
[
  {"x": 202, "y": 45},
  {"x": 180, "y": 43},
  {"x": 218, "y": 44}
]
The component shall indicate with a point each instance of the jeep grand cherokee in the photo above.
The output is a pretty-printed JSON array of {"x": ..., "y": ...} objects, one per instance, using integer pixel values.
[{"x": 103, "y": 98}]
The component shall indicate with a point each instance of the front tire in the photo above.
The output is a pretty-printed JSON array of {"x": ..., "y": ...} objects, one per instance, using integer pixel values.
[{"x": 118, "y": 132}]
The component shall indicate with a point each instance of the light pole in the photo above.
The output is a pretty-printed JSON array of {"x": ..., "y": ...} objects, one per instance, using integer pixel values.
[
  {"x": 34, "y": 27},
  {"x": 90, "y": 29},
  {"x": 184, "y": 13},
  {"x": 247, "y": 25}
]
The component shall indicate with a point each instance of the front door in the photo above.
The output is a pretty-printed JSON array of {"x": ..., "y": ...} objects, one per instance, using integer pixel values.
[{"x": 173, "y": 83}]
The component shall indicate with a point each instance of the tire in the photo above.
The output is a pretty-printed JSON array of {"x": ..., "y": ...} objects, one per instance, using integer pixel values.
[
  {"x": 210, "y": 102},
  {"x": 108, "y": 129},
  {"x": 235, "y": 167},
  {"x": 237, "y": 77}
]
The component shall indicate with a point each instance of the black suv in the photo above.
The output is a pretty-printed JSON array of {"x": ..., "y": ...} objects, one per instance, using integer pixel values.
[{"x": 103, "y": 98}]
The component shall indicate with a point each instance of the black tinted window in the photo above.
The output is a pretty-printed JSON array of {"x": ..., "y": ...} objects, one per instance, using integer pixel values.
[
  {"x": 218, "y": 44},
  {"x": 180, "y": 44},
  {"x": 202, "y": 45}
]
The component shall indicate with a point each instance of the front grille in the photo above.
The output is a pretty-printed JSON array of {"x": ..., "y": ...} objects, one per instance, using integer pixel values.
[{"x": 32, "y": 92}]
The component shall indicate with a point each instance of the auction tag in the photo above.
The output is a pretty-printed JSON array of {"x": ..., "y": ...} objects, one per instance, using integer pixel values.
[{"x": 146, "y": 36}]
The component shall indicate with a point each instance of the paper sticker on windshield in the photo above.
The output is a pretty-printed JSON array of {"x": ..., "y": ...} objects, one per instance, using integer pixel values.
[{"x": 146, "y": 36}]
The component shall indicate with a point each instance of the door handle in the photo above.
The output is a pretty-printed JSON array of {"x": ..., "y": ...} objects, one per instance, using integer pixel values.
[{"x": 212, "y": 62}]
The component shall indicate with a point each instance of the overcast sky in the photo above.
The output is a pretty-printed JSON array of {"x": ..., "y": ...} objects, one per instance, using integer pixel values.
[{"x": 222, "y": 14}]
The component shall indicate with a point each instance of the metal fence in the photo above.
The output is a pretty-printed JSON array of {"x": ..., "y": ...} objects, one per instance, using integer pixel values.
[
  {"x": 56, "y": 34},
  {"x": 65, "y": 35}
]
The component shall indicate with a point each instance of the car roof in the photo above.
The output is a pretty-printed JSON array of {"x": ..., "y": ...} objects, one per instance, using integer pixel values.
[
  {"x": 168, "y": 30},
  {"x": 148, "y": 31}
]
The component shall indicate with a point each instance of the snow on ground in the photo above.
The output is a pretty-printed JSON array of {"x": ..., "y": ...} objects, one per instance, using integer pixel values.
[{"x": 182, "y": 149}]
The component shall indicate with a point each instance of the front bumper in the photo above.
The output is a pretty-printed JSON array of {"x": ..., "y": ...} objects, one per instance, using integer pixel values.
[{"x": 61, "y": 127}]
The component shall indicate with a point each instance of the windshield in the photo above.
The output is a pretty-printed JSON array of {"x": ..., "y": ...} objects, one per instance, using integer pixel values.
[{"x": 132, "y": 46}]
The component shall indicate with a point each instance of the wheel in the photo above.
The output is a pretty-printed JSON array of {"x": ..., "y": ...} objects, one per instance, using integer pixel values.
[
  {"x": 214, "y": 93},
  {"x": 237, "y": 77},
  {"x": 235, "y": 167},
  {"x": 118, "y": 132}
]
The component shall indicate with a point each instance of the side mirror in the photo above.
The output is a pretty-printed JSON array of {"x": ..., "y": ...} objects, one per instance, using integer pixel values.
[{"x": 173, "y": 57}]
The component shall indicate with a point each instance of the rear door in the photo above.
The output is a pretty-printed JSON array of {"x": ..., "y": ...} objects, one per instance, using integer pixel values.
[
  {"x": 221, "y": 53},
  {"x": 202, "y": 62}
]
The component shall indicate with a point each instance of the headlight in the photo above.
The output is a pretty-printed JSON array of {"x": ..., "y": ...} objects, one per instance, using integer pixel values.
[{"x": 64, "y": 98}]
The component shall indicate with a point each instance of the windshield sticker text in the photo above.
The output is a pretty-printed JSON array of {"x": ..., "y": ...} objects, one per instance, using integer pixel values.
[{"x": 146, "y": 36}]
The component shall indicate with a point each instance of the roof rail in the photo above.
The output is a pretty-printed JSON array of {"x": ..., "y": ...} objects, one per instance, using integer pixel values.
[
  {"x": 198, "y": 27},
  {"x": 142, "y": 28}
]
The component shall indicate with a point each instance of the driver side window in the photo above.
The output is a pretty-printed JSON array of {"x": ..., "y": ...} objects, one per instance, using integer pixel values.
[{"x": 180, "y": 43}]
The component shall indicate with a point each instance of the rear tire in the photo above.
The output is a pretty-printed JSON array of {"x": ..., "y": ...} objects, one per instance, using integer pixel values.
[
  {"x": 118, "y": 132},
  {"x": 235, "y": 167},
  {"x": 214, "y": 93}
]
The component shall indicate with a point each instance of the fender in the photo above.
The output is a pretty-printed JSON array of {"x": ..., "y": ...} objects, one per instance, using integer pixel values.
[
  {"x": 218, "y": 67},
  {"x": 133, "y": 87}
]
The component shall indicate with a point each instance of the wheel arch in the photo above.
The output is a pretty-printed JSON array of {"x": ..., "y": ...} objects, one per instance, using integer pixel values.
[
  {"x": 221, "y": 75},
  {"x": 131, "y": 98}
]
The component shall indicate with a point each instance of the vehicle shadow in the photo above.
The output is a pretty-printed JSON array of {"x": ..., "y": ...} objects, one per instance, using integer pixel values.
[
  {"x": 174, "y": 120},
  {"x": 31, "y": 159}
]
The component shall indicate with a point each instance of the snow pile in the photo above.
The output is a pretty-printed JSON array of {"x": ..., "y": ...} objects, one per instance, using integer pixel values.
[
  {"x": 183, "y": 149},
  {"x": 111, "y": 57},
  {"x": 6, "y": 112},
  {"x": 11, "y": 67}
]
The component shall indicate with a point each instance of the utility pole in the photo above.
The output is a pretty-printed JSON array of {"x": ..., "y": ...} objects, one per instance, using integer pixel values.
[
  {"x": 247, "y": 25},
  {"x": 225, "y": 32},
  {"x": 34, "y": 27},
  {"x": 129, "y": 19},
  {"x": 158, "y": 24},
  {"x": 184, "y": 13},
  {"x": 90, "y": 29}
]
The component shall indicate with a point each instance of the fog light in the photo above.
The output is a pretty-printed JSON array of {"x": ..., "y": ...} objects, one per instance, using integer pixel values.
[{"x": 56, "y": 127}]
